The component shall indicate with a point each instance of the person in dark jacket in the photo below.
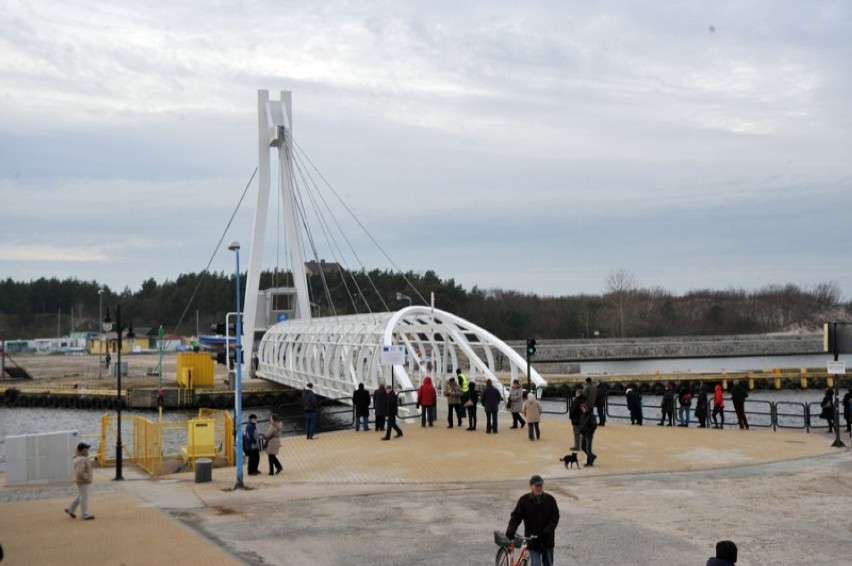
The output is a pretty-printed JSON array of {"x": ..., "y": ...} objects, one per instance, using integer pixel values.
[
  {"x": 590, "y": 392},
  {"x": 827, "y": 406},
  {"x": 471, "y": 398},
  {"x": 380, "y": 406},
  {"x": 738, "y": 396},
  {"x": 361, "y": 402},
  {"x": 310, "y": 406},
  {"x": 392, "y": 412},
  {"x": 574, "y": 414},
  {"x": 634, "y": 405},
  {"x": 847, "y": 410},
  {"x": 491, "y": 398},
  {"x": 540, "y": 514},
  {"x": 726, "y": 554},
  {"x": 600, "y": 403},
  {"x": 667, "y": 406},
  {"x": 251, "y": 446},
  {"x": 588, "y": 425},
  {"x": 701, "y": 412},
  {"x": 427, "y": 400}
]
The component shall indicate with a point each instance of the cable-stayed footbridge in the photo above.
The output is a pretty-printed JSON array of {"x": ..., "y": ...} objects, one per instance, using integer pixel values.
[{"x": 338, "y": 352}]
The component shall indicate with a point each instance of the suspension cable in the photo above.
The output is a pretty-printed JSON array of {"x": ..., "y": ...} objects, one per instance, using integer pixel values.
[{"x": 215, "y": 251}]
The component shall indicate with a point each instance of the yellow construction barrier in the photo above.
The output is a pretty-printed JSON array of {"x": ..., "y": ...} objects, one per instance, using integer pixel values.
[{"x": 165, "y": 447}]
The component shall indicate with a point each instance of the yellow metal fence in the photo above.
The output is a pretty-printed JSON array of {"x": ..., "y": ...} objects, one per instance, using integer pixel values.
[{"x": 165, "y": 447}]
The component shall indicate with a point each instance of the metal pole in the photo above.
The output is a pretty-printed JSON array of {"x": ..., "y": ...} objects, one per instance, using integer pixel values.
[
  {"x": 118, "y": 445},
  {"x": 161, "y": 349},
  {"x": 100, "y": 332},
  {"x": 837, "y": 442},
  {"x": 238, "y": 388}
]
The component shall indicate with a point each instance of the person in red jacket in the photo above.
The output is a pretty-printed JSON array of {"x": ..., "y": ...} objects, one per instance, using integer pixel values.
[
  {"x": 427, "y": 401},
  {"x": 718, "y": 407}
]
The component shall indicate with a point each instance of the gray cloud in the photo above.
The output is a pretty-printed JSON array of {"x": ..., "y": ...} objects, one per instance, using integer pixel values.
[{"x": 534, "y": 147}]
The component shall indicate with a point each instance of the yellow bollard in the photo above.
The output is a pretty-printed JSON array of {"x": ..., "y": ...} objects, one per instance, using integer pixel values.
[
  {"x": 829, "y": 382},
  {"x": 777, "y": 383},
  {"x": 751, "y": 381},
  {"x": 804, "y": 381}
]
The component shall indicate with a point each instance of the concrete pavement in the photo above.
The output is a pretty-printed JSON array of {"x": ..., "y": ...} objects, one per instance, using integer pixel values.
[{"x": 172, "y": 519}]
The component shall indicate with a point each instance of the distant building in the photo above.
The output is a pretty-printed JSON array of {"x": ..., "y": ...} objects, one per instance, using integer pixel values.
[
  {"x": 73, "y": 343},
  {"x": 315, "y": 268}
]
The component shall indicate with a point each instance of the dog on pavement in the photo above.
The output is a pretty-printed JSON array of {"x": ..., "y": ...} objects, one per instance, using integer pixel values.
[{"x": 570, "y": 460}]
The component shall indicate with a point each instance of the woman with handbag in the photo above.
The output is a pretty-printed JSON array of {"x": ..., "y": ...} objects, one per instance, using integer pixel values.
[
  {"x": 470, "y": 405},
  {"x": 273, "y": 444}
]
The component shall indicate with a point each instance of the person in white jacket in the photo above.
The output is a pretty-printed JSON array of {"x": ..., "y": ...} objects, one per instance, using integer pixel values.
[{"x": 83, "y": 478}]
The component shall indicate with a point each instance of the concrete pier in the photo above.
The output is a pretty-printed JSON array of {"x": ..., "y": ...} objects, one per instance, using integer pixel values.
[{"x": 656, "y": 494}]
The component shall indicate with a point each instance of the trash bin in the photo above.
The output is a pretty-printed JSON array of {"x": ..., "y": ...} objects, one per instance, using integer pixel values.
[{"x": 203, "y": 470}]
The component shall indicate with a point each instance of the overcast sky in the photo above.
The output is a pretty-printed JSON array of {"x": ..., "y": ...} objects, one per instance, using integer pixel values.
[{"x": 534, "y": 146}]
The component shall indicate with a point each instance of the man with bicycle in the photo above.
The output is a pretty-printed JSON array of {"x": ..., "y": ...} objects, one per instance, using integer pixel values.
[{"x": 540, "y": 514}]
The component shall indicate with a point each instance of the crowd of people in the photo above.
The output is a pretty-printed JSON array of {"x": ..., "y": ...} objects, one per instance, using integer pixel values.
[
  {"x": 463, "y": 397},
  {"x": 676, "y": 407},
  {"x": 586, "y": 411}
]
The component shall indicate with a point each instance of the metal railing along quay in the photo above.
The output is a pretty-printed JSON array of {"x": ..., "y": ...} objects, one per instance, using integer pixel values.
[{"x": 760, "y": 413}]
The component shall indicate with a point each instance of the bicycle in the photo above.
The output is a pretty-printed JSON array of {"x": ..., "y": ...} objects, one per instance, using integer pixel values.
[{"x": 506, "y": 552}]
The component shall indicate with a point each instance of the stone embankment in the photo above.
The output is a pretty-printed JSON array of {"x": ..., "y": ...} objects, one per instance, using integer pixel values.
[{"x": 674, "y": 347}]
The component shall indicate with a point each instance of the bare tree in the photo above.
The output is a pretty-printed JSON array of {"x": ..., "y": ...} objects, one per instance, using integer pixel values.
[
  {"x": 827, "y": 294},
  {"x": 621, "y": 285}
]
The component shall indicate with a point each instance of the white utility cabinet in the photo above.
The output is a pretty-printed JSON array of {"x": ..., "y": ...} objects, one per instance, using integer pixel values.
[{"x": 46, "y": 457}]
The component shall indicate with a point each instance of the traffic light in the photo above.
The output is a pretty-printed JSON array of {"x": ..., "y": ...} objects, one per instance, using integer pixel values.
[
  {"x": 221, "y": 328},
  {"x": 530, "y": 346}
]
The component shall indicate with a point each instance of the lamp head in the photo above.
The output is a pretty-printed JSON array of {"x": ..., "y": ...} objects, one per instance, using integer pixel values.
[
  {"x": 235, "y": 245},
  {"x": 107, "y": 322}
]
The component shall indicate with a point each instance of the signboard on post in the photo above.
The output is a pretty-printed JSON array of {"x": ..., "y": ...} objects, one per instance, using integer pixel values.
[
  {"x": 837, "y": 337},
  {"x": 836, "y": 368},
  {"x": 392, "y": 355}
]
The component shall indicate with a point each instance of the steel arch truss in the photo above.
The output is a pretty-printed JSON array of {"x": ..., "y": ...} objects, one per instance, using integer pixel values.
[{"x": 338, "y": 353}]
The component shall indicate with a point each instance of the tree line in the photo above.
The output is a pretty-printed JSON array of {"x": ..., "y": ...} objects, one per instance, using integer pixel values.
[{"x": 193, "y": 302}]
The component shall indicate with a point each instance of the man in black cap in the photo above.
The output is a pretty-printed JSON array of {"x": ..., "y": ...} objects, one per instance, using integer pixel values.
[
  {"x": 251, "y": 446},
  {"x": 540, "y": 514},
  {"x": 83, "y": 477},
  {"x": 726, "y": 554}
]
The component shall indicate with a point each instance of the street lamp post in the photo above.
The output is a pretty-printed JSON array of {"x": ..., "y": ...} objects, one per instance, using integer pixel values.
[
  {"x": 401, "y": 296},
  {"x": 119, "y": 329},
  {"x": 101, "y": 333},
  {"x": 238, "y": 387}
]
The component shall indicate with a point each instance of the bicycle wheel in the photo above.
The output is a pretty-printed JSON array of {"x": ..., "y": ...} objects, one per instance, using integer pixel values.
[{"x": 503, "y": 558}]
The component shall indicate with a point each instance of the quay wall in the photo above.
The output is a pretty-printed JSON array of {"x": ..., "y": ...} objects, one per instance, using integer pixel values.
[{"x": 674, "y": 347}]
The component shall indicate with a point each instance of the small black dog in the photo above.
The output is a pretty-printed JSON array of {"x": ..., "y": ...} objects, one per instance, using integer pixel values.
[{"x": 570, "y": 460}]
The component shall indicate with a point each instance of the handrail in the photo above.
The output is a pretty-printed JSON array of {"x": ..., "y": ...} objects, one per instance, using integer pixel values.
[
  {"x": 779, "y": 423},
  {"x": 775, "y": 414}
]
